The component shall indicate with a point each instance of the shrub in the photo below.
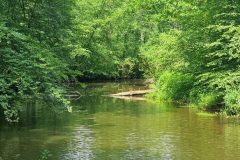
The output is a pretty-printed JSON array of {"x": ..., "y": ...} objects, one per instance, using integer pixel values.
[
  {"x": 172, "y": 86},
  {"x": 209, "y": 100},
  {"x": 232, "y": 102}
]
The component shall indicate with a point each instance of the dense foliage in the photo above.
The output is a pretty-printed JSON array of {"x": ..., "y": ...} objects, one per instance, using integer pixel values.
[
  {"x": 196, "y": 59},
  {"x": 35, "y": 55},
  {"x": 190, "y": 47}
]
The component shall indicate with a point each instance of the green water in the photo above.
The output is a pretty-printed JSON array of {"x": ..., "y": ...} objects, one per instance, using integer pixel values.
[{"x": 103, "y": 128}]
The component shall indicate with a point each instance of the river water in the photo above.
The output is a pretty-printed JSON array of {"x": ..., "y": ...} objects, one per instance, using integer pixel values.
[{"x": 102, "y": 128}]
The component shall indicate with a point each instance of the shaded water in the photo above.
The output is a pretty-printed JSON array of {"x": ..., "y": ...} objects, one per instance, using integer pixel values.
[{"x": 103, "y": 128}]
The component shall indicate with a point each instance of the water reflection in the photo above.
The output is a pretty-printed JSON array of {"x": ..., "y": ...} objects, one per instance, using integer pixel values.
[
  {"x": 167, "y": 151},
  {"x": 80, "y": 147},
  {"x": 102, "y": 128}
]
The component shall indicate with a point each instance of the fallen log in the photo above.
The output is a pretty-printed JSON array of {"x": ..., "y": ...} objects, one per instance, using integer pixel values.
[
  {"x": 73, "y": 94},
  {"x": 149, "y": 81},
  {"x": 130, "y": 98},
  {"x": 133, "y": 93}
]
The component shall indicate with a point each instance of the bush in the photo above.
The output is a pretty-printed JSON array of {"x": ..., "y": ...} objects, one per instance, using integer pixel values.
[
  {"x": 232, "y": 102},
  {"x": 209, "y": 100},
  {"x": 172, "y": 86}
]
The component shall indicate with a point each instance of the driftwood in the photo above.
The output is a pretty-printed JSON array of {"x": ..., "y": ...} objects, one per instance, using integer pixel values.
[
  {"x": 130, "y": 98},
  {"x": 73, "y": 94},
  {"x": 133, "y": 93},
  {"x": 149, "y": 81}
]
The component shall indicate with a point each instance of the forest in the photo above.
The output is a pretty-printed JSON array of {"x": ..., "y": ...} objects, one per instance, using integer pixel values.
[{"x": 191, "y": 48}]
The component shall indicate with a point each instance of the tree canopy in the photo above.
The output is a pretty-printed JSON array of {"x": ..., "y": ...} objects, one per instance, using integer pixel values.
[{"x": 190, "y": 47}]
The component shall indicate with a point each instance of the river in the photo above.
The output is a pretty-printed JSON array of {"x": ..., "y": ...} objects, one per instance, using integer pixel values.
[{"x": 101, "y": 128}]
